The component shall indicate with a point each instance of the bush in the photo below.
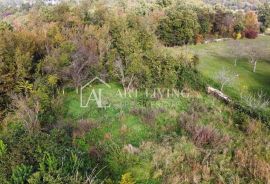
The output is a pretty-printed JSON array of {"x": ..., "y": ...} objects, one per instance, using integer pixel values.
[
  {"x": 127, "y": 179},
  {"x": 251, "y": 34},
  {"x": 3, "y": 148},
  {"x": 39, "y": 157},
  {"x": 21, "y": 173},
  {"x": 179, "y": 27},
  {"x": 5, "y": 26}
]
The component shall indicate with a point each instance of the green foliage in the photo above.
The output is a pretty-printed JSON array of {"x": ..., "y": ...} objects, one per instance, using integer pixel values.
[
  {"x": 52, "y": 80},
  {"x": 39, "y": 158},
  {"x": 179, "y": 27},
  {"x": 164, "y": 3},
  {"x": 3, "y": 148},
  {"x": 21, "y": 173},
  {"x": 127, "y": 179},
  {"x": 205, "y": 20},
  {"x": 5, "y": 26},
  {"x": 264, "y": 16},
  {"x": 223, "y": 22},
  {"x": 133, "y": 59},
  {"x": 136, "y": 140}
]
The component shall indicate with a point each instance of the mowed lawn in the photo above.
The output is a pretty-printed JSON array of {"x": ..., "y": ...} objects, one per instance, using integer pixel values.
[{"x": 213, "y": 59}]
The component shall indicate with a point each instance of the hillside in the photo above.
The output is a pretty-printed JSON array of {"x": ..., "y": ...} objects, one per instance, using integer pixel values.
[{"x": 134, "y": 92}]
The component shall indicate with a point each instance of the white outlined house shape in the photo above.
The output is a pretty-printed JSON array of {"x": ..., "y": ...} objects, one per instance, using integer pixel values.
[{"x": 99, "y": 104}]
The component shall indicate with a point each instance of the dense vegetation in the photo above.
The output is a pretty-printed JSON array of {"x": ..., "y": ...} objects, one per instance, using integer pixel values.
[{"x": 48, "y": 52}]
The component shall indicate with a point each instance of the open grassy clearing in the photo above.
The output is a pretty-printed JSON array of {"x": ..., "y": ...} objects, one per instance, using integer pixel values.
[
  {"x": 159, "y": 129},
  {"x": 213, "y": 60}
]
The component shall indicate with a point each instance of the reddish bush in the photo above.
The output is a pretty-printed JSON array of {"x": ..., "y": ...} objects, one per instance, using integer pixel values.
[
  {"x": 251, "y": 34},
  {"x": 199, "y": 39}
]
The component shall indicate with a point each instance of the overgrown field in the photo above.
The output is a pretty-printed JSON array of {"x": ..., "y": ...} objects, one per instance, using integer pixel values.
[
  {"x": 185, "y": 139},
  {"x": 48, "y": 53}
]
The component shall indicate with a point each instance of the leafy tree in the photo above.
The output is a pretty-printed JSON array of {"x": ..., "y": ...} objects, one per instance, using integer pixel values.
[
  {"x": 238, "y": 24},
  {"x": 223, "y": 22},
  {"x": 205, "y": 17},
  {"x": 251, "y": 21},
  {"x": 264, "y": 16},
  {"x": 20, "y": 52},
  {"x": 179, "y": 27},
  {"x": 84, "y": 62},
  {"x": 131, "y": 45}
]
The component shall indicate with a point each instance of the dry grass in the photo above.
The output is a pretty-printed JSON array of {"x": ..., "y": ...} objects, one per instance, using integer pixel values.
[{"x": 83, "y": 127}]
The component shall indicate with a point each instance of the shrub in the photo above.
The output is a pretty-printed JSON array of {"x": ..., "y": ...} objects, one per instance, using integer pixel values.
[
  {"x": 127, "y": 179},
  {"x": 201, "y": 135},
  {"x": 191, "y": 78},
  {"x": 179, "y": 27},
  {"x": 257, "y": 101},
  {"x": 5, "y": 26},
  {"x": 251, "y": 34},
  {"x": 199, "y": 39},
  {"x": 3, "y": 148},
  {"x": 21, "y": 173},
  {"x": 147, "y": 115}
]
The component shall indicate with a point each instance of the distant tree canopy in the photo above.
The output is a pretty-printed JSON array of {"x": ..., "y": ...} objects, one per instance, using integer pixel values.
[
  {"x": 179, "y": 27},
  {"x": 264, "y": 16}
]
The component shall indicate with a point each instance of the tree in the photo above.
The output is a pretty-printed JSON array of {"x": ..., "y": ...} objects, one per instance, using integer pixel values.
[
  {"x": 84, "y": 62},
  {"x": 264, "y": 16},
  {"x": 225, "y": 77},
  {"x": 131, "y": 46},
  {"x": 205, "y": 20},
  {"x": 238, "y": 24},
  {"x": 179, "y": 27},
  {"x": 255, "y": 53},
  {"x": 20, "y": 52},
  {"x": 251, "y": 22},
  {"x": 235, "y": 49},
  {"x": 223, "y": 22}
]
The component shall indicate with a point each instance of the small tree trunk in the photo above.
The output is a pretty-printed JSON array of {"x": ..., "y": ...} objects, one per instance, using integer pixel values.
[
  {"x": 235, "y": 61},
  {"x": 77, "y": 90},
  {"x": 254, "y": 66}
]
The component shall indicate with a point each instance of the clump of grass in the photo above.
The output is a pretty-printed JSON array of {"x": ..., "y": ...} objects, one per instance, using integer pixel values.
[
  {"x": 206, "y": 135},
  {"x": 201, "y": 135},
  {"x": 82, "y": 127},
  {"x": 95, "y": 153},
  {"x": 147, "y": 115},
  {"x": 252, "y": 165}
]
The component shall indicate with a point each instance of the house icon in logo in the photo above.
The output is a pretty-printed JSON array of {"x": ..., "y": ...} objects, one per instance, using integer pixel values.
[{"x": 94, "y": 95}]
